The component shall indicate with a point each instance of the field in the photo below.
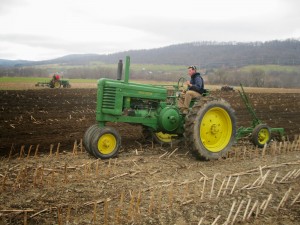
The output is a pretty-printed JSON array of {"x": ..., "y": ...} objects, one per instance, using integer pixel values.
[{"x": 47, "y": 177}]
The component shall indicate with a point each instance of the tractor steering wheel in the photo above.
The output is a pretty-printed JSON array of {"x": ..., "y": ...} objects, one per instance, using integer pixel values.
[{"x": 182, "y": 86}]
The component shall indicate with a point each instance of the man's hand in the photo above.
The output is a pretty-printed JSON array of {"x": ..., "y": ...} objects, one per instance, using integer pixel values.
[{"x": 188, "y": 83}]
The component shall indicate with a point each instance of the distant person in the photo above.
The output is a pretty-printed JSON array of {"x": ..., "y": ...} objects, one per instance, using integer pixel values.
[
  {"x": 56, "y": 77},
  {"x": 194, "y": 90}
]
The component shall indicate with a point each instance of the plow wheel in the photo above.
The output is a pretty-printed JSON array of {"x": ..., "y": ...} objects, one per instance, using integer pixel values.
[
  {"x": 210, "y": 128},
  {"x": 261, "y": 135},
  {"x": 105, "y": 142}
]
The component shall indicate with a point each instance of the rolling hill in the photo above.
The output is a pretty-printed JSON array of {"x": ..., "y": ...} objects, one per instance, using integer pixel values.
[{"x": 206, "y": 54}]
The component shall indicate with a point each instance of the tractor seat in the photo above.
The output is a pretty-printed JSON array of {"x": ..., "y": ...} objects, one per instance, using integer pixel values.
[{"x": 206, "y": 92}]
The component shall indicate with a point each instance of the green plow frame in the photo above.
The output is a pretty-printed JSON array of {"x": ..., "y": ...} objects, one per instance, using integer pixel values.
[{"x": 244, "y": 131}]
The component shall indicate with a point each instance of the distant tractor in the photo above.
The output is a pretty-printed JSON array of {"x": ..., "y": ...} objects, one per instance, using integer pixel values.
[
  {"x": 208, "y": 129},
  {"x": 55, "y": 82}
]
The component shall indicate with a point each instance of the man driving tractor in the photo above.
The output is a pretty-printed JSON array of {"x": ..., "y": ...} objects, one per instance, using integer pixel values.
[
  {"x": 56, "y": 77},
  {"x": 195, "y": 89}
]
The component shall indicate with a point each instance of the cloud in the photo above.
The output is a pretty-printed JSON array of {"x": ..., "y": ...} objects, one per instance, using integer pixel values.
[
  {"x": 32, "y": 27},
  {"x": 7, "y": 6}
]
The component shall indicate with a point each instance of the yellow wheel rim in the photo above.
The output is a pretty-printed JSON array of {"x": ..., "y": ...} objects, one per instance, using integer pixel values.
[
  {"x": 107, "y": 143},
  {"x": 215, "y": 129},
  {"x": 56, "y": 84},
  {"x": 167, "y": 138},
  {"x": 263, "y": 136}
]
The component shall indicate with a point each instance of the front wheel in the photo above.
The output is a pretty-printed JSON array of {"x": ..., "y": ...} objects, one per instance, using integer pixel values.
[
  {"x": 88, "y": 136},
  {"x": 105, "y": 143},
  {"x": 210, "y": 128},
  {"x": 261, "y": 135},
  {"x": 67, "y": 85}
]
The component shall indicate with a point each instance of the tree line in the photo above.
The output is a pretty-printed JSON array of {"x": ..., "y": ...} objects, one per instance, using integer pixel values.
[{"x": 256, "y": 77}]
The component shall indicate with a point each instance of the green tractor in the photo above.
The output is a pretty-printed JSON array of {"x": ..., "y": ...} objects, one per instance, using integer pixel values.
[{"x": 208, "y": 129}]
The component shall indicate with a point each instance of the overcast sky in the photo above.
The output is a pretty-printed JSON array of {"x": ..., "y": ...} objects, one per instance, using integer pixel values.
[{"x": 46, "y": 29}]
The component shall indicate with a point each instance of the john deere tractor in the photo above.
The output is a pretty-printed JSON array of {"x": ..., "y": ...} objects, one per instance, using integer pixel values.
[{"x": 208, "y": 129}]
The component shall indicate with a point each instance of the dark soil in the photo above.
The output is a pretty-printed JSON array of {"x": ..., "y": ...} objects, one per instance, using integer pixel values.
[{"x": 146, "y": 183}]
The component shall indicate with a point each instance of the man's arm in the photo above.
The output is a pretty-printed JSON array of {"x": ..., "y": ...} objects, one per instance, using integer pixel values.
[{"x": 198, "y": 82}]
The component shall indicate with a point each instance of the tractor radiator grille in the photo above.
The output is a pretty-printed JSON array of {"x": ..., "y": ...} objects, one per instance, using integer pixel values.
[{"x": 109, "y": 96}]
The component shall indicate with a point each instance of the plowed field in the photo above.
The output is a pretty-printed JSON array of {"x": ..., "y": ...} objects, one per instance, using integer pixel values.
[{"x": 46, "y": 177}]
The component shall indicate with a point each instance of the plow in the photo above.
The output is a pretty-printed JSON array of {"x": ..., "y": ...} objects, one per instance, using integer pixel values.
[{"x": 260, "y": 132}]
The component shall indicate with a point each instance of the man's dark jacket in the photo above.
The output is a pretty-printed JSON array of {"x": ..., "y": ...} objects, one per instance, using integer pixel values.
[{"x": 197, "y": 83}]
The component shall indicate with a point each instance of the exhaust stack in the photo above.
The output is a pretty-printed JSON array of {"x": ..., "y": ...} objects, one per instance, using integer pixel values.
[{"x": 120, "y": 68}]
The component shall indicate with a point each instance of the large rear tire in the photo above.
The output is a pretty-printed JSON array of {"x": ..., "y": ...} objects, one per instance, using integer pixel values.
[
  {"x": 57, "y": 84},
  {"x": 105, "y": 143},
  {"x": 210, "y": 128}
]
